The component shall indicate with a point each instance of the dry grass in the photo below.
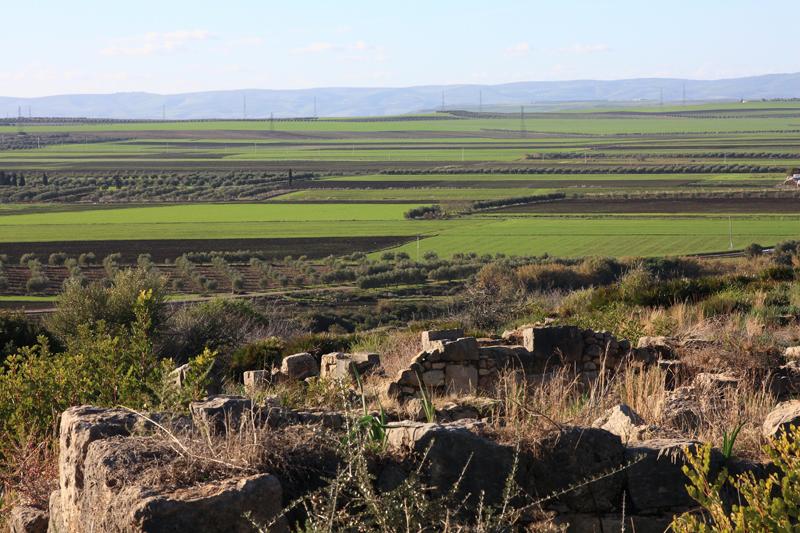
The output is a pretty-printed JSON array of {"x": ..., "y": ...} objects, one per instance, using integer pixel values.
[
  {"x": 533, "y": 407},
  {"x": 29, "y": 475},
  {"x": 294, "y": 453}
]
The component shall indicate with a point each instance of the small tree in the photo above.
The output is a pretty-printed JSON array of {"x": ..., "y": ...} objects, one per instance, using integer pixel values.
[{"x": 754, "y": 250}]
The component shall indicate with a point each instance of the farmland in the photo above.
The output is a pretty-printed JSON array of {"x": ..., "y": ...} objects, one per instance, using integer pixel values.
[{"x": 645, "y": 182}]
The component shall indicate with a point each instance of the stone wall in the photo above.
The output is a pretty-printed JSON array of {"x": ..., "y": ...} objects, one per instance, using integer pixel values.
[{"x": 452, "y": 363}]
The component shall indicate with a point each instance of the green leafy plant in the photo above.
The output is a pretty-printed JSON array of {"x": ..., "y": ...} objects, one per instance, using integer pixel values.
[
  {"x": 427, "y": 403},
  {"x": 729, "y": 439},
  {"x": 768, "y": 504}
]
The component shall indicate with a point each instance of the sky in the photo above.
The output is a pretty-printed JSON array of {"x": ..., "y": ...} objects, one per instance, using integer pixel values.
[{"x": 173, "y": 46}]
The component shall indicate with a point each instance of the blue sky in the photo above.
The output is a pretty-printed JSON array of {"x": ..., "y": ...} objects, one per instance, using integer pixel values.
[{"x": 168, "y": 46}]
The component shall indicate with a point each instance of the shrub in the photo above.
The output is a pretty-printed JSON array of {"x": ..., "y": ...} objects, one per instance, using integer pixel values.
[
  {"x": 24, "y": 259},
  {"x": 57, "y": 258},
  {"x": 262, "y": 354},
  {"x": 766, "y": 504},
  {"x": 753, "y": 250},
  {"x": 222, "y": 325},
  {"x": 425, "y": 211},
  {"x": 80, "y": 305},
  {"x": 550, "y": 276},
  {"x": 36, "y": 284},
  {"x": 98, "y": 367},
  {"x": 777, "y": 273},
  {"x": 87, "y": 259}
]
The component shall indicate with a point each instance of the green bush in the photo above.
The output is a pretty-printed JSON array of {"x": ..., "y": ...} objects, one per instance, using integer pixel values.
[
  {"x": 114, "y": 305},
  {"x": 16, "y": 331},
  {"x": 766, "y": 504},
  {"x": 263, "y": 354},
  {"x": 99, "y": 367}
]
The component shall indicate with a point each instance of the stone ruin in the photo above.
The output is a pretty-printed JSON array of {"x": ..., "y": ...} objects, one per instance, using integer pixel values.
[
  {"x": 103, "y": 449},
  {"x": 452, "y": 363}
]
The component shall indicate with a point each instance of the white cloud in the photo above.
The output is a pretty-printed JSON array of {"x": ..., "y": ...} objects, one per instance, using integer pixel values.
[
  {"x": 583, "y": 49},
  {"x": 357, "y": 46},
  {"x": 155, "y": 43},
  {"x": 315, "y": 48},
  {"x": 519, "y": 49}
]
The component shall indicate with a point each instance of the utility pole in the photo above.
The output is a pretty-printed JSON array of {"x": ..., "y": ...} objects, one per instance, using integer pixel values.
[
  {"x": 164, "y": 112},
  {"x": 730, "y": 232},
  {"x": 315, "y": 107},
  {"x": 661, "y": 97},
  {"x": 442, "y": 101},
  {"x": 480, "y": 102},
  {"x": 417, "y": 248},
  {"x": 271, "y": 122},
  {"x": 244, "y": 107},
  {"x": 522, "y": 121},
  {"x": 684, "y": 93}
]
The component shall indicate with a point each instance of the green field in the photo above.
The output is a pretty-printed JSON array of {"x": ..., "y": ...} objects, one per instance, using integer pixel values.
[
  {"x": 512, "y": 234},
  {"x": 340, "y": 178}
]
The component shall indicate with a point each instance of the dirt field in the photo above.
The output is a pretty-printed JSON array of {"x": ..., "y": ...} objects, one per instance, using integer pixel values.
[{"x": 161, "y": 250}]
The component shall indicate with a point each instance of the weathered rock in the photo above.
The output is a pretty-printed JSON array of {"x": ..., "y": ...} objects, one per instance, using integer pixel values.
[
  {"x": 433, "y": 378},
  {"x": 785, "y": 380},
  {"x": 256, "y": 380},
  {"x": 461, "y": 379},
  {"x": 545, "y": 343},
  {"x": 116, "y": 501},
  {"x": 786, "y": 414},
  {"x": 571, "y": 456},
  {"x": 792, "y": 352},
  {"x": 429, "y": 337},
  {"x": 299, "y": 366},
  {"x": 328, "y": 419},
  {"x": 621, "y": 421},
  {"x": 26, "y": 519},
  {"x": 715, "y": 381},
  {"x": 661, "y": 345},
  {"x": 81, "y": 426},
  {"x": 57, "y": 523},
  {"x": 218, "y": 413},
  {"x": 681, "y": 408},
  {"x": 449, "y": 448},
  {"x": 655, "y": 481},
  {"x": 459, "y": 350},
  {"x": 516, "y": 357},
  {"x": 338, "y": 365}
]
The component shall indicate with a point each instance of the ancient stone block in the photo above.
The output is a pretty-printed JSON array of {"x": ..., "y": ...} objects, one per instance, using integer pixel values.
[
  {"x": 545, "y": 343},
  {"x": 428, "y": 337},
  {"x": 255, "y": 380},
  {"x": 299, "y": 366},
  {"x": 463, "y": 349},
  {"x": 433, "y": 378},
  {"x": 338, "y": 365},
  {"x": 219, "y": 413},
  {"x": 461, "y": 379}
]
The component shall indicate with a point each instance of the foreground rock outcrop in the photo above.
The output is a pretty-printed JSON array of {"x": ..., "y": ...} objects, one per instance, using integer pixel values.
[{"x": 104, "y": 486}]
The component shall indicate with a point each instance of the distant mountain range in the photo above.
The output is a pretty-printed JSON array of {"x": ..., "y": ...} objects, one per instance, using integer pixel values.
[{"x": 347, "y": 102}]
